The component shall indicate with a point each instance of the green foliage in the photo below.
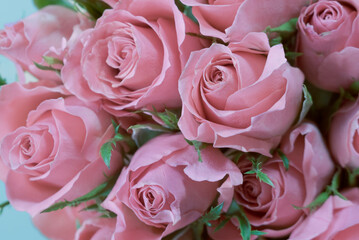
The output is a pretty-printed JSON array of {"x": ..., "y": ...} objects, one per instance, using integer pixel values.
[
  {"x": 43, "y": 3},
  {"x": 93, "y": 8},
  {"x": 213, "y": 214},
  {"x": 187, "y": 10},
  {"x": 52, "y": 61},
  {"x": 352, "y": 176},
  {"x": 99, "y": 192},
  {"x": 142, "y": 133},
  {"x": 108, "y": 147},
  {"x": 198, "y": 146},
  {"x": 169, "y": 118},
  {"x": 47, "y": 68},
  {"x": 285, "y": 34},
  {"x": 2, "y": 81},
  {"x": 3, "y": 205},
  {"x": 244, "y": 226}
]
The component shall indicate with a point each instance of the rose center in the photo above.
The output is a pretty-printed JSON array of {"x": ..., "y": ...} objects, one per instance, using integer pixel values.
[{"x": 26, "y": 146}]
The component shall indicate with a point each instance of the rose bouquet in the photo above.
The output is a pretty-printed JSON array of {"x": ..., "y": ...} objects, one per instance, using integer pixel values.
[{"x": 168, "y": 119}]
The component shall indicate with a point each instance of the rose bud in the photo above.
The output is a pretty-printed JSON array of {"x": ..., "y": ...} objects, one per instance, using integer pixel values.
[
  {"x": 327, "y": 37},
  {"x": 244, "y": 96},
  {"x": 165, "y": 187}
]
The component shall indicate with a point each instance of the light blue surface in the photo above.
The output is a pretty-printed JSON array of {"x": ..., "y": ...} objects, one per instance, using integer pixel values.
[{"x": 14, "y": 225}]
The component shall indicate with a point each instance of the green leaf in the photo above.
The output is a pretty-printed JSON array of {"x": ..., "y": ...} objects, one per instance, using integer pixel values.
[
  {"x": 258, "y": 233},
  {"x": 43, "y": 3},
  {"x": 251, "y": 172},
  {"x": 3, "y": 205},
  {"x": 284, "y": 159},
  {"x": 2, "y": 81},
  {"x": 177, "y": 234},
  {"x": 354, "y": 88},
  {"x": 244, "y": 225},
  {"x": 286, "y": 28},
  {"x": 336, "y": 179},
  {"x": 212, "y": 215},
  {"x": 318, "y": 201},
  {"x": 187, "y": 10},
  {"x": 94, "y": 8},
  {"x": 52, "y": 61},
  {"x": 101, "y": 190},
  {"x": 264, "y": 178},
  {"x": 306, "y": 105},
  {"x": 106, "y": 152}
]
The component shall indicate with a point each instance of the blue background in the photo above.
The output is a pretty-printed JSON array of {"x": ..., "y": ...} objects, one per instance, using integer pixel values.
[{"x": 14, "y": 225}]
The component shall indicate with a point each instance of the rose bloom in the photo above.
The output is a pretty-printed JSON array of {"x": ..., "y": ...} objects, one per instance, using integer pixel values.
[
  {"x": 327, "y": 37},
  {"x": 271, "y": 209},
  {"x": 132, "y": 58},
  {"x": 335, "y": 219},
  {"x": 40, "y": 35},
  {"x": 344, "y": 135},
  {"x": 165, "y": 187},
  {"x": 244, "y": 96},
  {"x": 32, "y": 94},
  {"x": 53, "y": 154}
]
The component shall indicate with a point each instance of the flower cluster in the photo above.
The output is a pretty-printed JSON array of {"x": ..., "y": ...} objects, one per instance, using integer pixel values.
[{"x": 168, "y": 119}]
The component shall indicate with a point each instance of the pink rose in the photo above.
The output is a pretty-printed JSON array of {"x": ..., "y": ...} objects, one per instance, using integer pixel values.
[
  {"x": 41, "y": 35},
  {"x": 344, "y": 135},
  {"x": 214, "y": 16},
  {"x": 132, "y": 58},
  {"x": 327, "y": 37},
  {"x": 244, "y": 96},
  {"x": 336, "y": 219},
  {"x": 271, "y": 209},
  {"x": 32, "y": 94},
  {"x": 165, "y": 187},
  {"x": 54, "y": 156}
]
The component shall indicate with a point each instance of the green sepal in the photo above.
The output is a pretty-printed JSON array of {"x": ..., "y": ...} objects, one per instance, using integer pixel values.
[
  {"x": 106, "y": 152},
  {"x": 236, "y": 211},
  {"x": 258, "y": 233},
  {"x": 213, "y": 214},
  {"x": 47, "y": 68},
  {"x": 284, "y": 159},
  {"x": 52, "y": 60},
  {"x": 142, "y": 133}
]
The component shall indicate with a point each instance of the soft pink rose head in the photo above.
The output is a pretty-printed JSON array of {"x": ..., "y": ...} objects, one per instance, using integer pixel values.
[
  {"x": 55, "y": 155},
  {"x": 165, "y": 187},
  {"x": 40, "y": 35},
  {"x": 244, "y": 96},
  {"x": 310, "y": 169},
  {"x": 344, "y": 135},
  {"x": 132, "y": 58},
  {"x": 327, "y": 37},
  {"x": 32, "y": 94},
  {"x": 214, "y": 16},
  {"x": 335, "y": 219}
]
